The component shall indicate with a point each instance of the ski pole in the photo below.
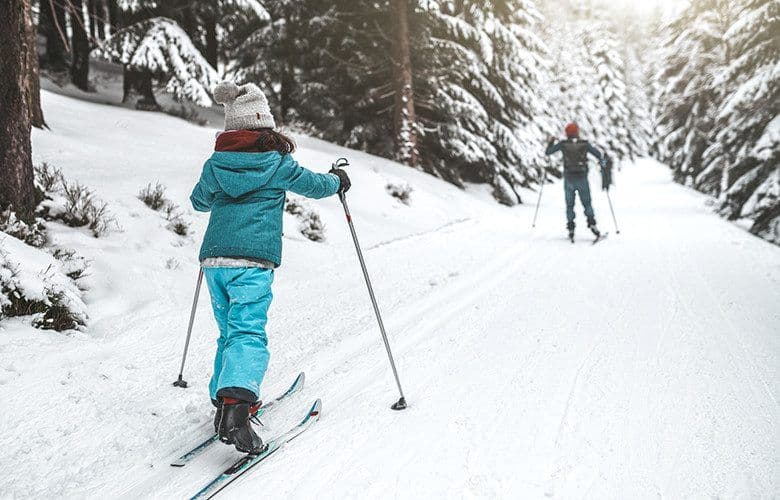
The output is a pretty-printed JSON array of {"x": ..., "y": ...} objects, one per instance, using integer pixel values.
[
  {"x": 613, "y": 212},
  {"x": 401, "y": 403},
  {"x": 539, "y": 201},
  {"x": 181, "y": 382}
]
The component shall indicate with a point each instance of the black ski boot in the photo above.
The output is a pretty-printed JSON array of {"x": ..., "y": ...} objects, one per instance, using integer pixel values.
[
  {"x": 217, "y": 415},
  {"x": 235, "y": 428},
  {"x": 570, "y": 228},
  {"x": 594, "y": 229}
]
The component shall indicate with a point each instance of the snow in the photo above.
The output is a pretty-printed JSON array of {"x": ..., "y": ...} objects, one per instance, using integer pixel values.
[{"x": 644, "y": 366}]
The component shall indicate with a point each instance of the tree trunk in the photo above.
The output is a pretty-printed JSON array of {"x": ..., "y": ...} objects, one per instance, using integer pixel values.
[
  {"x": 103, "y": 21},
  {"x": 212, "y": 44},
  {"x": 137, "y": 83},
  {"x": 52, "y": 26},
  {"x": 288, "y": 77},
  {"x": 79, "y": 68},
  {"x": 92, "y": 14},
  {"x": 97, "y": 19},
  {"x": 32, "y": 72},
  {"x": 405, "y": 118},
  {"x": 114, "y": 21},
  {"x": 17, "y": 188},
  {"x": 723, "y": 10}
]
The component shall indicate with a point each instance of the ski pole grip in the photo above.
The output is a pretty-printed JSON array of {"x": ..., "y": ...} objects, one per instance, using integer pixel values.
[{"x": 341, "y": 163}]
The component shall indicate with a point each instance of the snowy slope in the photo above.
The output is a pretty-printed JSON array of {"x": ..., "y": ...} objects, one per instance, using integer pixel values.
[{"x": 644, "y": 366}]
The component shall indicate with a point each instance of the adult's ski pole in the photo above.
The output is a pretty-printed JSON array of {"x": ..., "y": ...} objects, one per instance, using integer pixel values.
[
  {"x": 539, "y": 201},
  {"x": 401, "y": 403},
  {"x": 180, "y": 382},
  {"x": 613, "y": 212}
]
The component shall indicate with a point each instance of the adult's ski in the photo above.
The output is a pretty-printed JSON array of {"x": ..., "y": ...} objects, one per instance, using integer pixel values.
[
  {"x": 600, "y": 237},
  {"x": 248, "y": 461},
  {"x": 296, "y": 386}
]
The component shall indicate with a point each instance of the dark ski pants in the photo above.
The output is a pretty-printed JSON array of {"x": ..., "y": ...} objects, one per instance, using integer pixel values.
[{"x": 573, "y": 184}]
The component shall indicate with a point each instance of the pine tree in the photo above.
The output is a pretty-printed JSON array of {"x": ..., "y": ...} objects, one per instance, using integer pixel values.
[
  {"x": 209, "y": 22},
  {"x": 159, "y": 48},
  {"x": 267, "y": 47},
  {"x": 574, "y": 82},
  {"x": 476, "y": 68},
  {"x": 605, "y": 56},
  {"x": 589, "y": 78},
  {"x": 720, "y": 108},
  {"x": 479, "y": 71},
  {"x": 638, "y": 101},
  {"x": 748, "y": 120},
  {"x": 689, "y": 99},
  {"x": 346, "y": 84}
]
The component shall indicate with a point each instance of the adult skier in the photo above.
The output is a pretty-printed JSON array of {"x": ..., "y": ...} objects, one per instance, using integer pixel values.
[
  {"x": 243, "y": 185},
  {"x": 575, "y": 174}
]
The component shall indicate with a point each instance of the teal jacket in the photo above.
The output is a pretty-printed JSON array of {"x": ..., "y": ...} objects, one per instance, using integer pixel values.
[{"x": 245, "y": 193}]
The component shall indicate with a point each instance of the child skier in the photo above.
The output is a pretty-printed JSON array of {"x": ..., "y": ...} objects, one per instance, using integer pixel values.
[{"x": 243, "y": 185}]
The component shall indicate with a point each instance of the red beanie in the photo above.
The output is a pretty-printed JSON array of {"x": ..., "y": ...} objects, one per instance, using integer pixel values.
[{"x": 572, "y": 130}]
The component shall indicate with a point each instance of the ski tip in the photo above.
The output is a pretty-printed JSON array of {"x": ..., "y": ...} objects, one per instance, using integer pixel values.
[
  {"x": 316, "y": 409},
  {"x": 177, "y": 463},
  {"x": 300, "y": 380}
]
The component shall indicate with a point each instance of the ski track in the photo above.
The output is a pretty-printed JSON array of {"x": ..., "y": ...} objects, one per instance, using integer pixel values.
[
  {"x": 417, "y": 235},
  {"x": 645, "y": 366}
]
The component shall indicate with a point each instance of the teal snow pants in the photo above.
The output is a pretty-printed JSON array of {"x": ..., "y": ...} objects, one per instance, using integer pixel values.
[
  {"x": 240, "y": 297},
  {"x": 573, "y": 184}
]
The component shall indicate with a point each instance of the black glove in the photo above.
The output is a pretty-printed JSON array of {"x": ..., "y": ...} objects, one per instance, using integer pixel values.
[{"x": 343, "y": 177}]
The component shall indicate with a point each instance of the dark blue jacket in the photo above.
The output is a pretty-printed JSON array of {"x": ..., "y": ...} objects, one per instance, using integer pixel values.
[{"x": 575, "y": 153}]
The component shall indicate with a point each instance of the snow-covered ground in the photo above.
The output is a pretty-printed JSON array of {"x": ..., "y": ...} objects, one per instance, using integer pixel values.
[{"x": 644, "y": 366}]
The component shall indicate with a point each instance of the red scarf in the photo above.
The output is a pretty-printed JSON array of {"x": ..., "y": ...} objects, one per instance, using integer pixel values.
[{"x": 240, "y": 141}]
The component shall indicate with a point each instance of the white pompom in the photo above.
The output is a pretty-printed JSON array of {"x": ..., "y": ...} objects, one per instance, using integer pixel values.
[{"x": 225, "y": 92}]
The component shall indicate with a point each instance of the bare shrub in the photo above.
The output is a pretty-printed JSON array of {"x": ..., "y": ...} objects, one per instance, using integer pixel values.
[
  {"x": 179, "y": 226},
  {"x": 153, "y": 196},
  {"x": 33, "y": 234},
  {"x": 50, "y": 313},
  {"x": 73, "y": 265},
  {"x": 401, "y": 192},
  {"x": 48, "y": 178},
  {"x": 310, "y": 223},
  {"x": 83, "y": 209}
]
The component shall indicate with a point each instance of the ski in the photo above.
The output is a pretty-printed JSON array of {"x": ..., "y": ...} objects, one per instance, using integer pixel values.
[
  {"x": 248, "y": 461},
  {"x": 296, "y": 386},
  {"x": 601, "y": 237}
]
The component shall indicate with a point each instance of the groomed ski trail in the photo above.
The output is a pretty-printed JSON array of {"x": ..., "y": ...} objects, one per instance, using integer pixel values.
[{"x": 643, "y": 366}]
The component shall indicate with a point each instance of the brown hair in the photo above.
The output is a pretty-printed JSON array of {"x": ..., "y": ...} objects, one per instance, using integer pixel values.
[{"x": 271, "y": 140}]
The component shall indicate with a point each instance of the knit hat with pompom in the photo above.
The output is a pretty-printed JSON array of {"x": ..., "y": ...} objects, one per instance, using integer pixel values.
[{"x": 245, "y": 106}]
